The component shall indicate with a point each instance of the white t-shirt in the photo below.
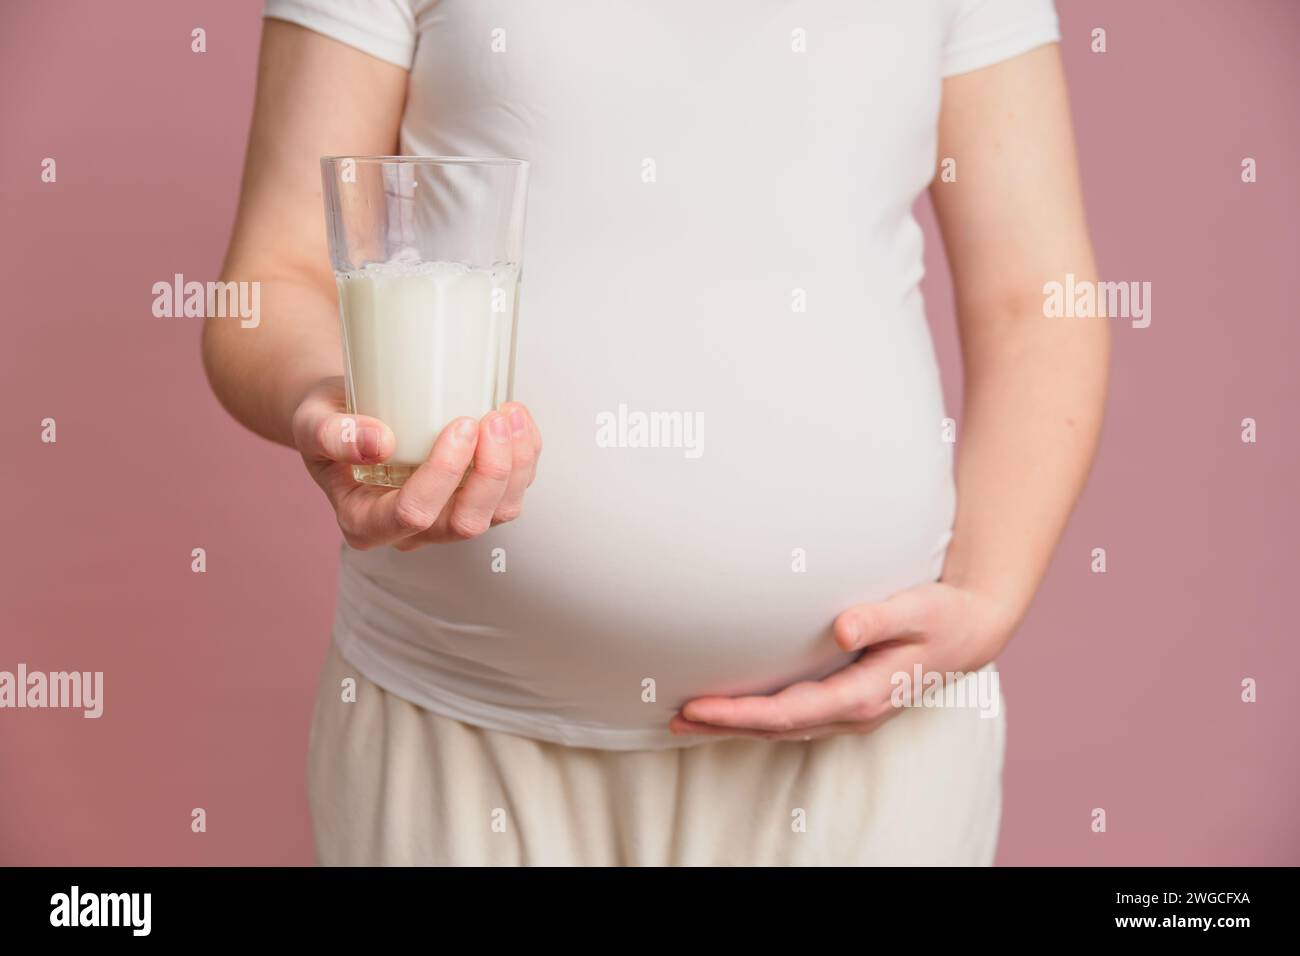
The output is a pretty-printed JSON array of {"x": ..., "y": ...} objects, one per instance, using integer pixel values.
[{"x": 719, "y": 224}]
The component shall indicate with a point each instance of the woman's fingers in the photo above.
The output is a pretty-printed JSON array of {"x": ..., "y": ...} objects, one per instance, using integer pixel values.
[
  {"x": 355, "y": 439},
  {"x": 899, "y": 617},
  {"x": 371, "y": 516},
  {"x": 679, "y": 725},
  {"x": 535, "y": 434},
  {"x": 324, "y": 431},
  {"x": 525, "y": 445},
  {"x": 800, "y": 705},
  {"x": 470, "y": 510},
  {"x": 432, "y": 505},
  {"x": 857, "y": 693}
]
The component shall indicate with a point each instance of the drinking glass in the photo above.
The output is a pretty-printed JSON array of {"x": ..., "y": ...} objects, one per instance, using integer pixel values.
[{"x": 426, "y": 252}]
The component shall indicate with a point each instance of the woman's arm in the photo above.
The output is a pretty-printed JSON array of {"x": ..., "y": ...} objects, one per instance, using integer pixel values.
[
  {"x": 315, "y": 97},
  {"x": 1034, "y": 392},
  {"x": 283, "y": 376},
  {"x": 1034, "y": 386}
]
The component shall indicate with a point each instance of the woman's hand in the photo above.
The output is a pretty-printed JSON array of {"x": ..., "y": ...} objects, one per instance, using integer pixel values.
[
  {"x": 941, "y": 627},
  {"x": 432, "y": 506}
]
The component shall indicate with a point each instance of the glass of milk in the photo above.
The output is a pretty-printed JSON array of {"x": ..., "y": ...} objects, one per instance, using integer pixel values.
[{"x": 426, "y": 252}]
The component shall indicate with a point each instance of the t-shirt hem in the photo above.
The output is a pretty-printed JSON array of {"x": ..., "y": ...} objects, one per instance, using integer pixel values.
[
  {"x": 994, "y": 48},
  {"x": 504, "y": 720},
  {"x": 390, "y": 49}
]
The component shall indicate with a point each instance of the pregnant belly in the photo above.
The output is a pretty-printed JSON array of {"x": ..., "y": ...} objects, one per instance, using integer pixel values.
[{"x": 596, "y": 611}]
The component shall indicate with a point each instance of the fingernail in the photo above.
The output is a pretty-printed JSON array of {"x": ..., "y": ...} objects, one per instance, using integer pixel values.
[
  {"x": 465, "y": 429},
  {"x": 369, "y": 441},
  {"x": 497, "y": 428},
  {"x": 853, "y": 631},
  {"x": 518, "y": 421}
]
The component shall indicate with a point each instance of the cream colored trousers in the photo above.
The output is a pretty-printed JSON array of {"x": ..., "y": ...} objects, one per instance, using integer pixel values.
[{"x": 390, "y": 783}]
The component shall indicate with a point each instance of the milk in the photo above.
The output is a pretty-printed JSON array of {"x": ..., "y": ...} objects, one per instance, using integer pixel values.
[{"x": 424, "y": 343}]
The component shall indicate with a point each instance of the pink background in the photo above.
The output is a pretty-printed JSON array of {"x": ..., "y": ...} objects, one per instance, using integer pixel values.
[{"x": 1123, "y": 689}]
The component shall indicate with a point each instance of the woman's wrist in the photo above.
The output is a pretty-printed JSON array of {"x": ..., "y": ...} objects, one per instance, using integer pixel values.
[{"x": 997, "y": 606}]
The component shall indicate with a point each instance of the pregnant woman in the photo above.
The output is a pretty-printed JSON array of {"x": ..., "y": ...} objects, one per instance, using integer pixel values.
[{"x": 684, "y": 653}]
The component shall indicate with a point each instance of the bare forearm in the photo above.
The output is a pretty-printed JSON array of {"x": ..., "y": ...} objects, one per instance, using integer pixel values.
[
  {"x": 260, "y": 374},
  {"x": 1034, "y": 400},
  {"x": 315, "y": 97}
]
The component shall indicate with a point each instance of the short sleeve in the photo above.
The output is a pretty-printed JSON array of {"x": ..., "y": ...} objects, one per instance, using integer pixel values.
[
  {"x": 984, "y": 32},
  {"x": 382, "y": 28}
]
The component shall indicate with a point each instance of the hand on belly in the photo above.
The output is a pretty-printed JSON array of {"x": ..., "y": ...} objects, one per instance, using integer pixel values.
[{"x": 934, "y": 628}]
